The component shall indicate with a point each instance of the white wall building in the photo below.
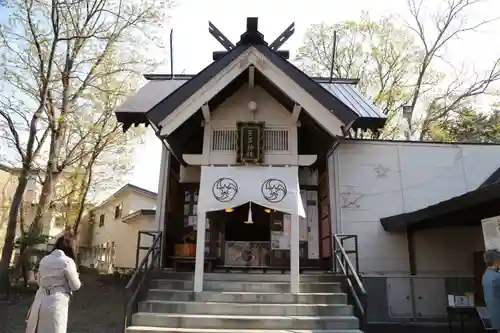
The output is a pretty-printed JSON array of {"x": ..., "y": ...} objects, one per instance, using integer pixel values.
[
  {"x": 110, "y": 234},
  {"x": 402, "y": 201}
]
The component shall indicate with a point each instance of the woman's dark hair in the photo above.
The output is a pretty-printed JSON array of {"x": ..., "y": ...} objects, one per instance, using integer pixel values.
[
  {"x": 491, "y": 257},
  {"x": 67, "y": 244}
]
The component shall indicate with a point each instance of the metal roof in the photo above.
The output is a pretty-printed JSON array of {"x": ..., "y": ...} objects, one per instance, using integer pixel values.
[
  {"x": 158, "y": 88},
  {"x": 149, "y": 95},
  {"x": 352, "y": 97},
  {"x": 492, "y": 179}
]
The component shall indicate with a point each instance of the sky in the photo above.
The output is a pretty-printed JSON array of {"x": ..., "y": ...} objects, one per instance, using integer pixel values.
[{"x": 193, "y": 45}]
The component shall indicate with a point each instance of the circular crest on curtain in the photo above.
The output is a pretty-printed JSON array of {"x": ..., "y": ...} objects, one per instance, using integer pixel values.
[
  {"x": 274, "y": 190},
  {"x": 225, "y": 189}
]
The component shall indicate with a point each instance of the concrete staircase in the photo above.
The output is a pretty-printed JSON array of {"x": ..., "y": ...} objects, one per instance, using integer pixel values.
[{"x": 244, "y": 303}]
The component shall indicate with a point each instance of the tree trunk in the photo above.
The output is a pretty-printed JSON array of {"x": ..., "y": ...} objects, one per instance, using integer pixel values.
[
  {"x": 10, "y": 234},
  {"x": 50, "y": 179},
  {"x": 23, "y": 263},
  {"x": 85, "y": 185},
  {"x": 44, "y": 202}
]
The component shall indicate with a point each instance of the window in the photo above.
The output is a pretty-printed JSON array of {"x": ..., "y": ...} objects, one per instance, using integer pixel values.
[
  {"x": 59, "y": 222},
  {"x": 190, "y": 207},
  {"x": 101, "y": 220},
  {"x": 118, "y": 211}
]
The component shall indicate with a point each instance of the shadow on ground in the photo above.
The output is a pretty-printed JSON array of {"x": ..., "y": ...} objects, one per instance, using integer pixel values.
[{"x": 96, "y": 308}]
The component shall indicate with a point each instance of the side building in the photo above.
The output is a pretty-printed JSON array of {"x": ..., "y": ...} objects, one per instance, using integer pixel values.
[{"x": 109, "y": 234}]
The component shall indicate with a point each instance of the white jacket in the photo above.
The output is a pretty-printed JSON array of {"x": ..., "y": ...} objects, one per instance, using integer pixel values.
[{"x": 57, "y": 279}]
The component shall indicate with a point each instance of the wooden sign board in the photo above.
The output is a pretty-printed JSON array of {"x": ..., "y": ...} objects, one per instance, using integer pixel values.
[{"x": 250, "y": 147}]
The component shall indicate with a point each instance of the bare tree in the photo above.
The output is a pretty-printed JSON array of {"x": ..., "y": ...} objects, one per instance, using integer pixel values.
[
  {"x": 397, "y": 63},
  {"x": 434, "y": 32},
  {"x": 53, "y": 52},
  {"x": 21, "y": 124}
]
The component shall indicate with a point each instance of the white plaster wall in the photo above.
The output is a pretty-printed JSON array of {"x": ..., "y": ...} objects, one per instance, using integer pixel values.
[
  {"x": 235, "y": 109},
  {"x": 107, "y": 232},
  {"x": 380, "y": 179},
  {"x": 140, "y": 201},
  {"x": 190, "y": 174},
  {"x": 124, "y": 235}
]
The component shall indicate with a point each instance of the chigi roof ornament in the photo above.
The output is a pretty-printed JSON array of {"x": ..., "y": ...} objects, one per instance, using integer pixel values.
[{"x": 251, "y": 36}]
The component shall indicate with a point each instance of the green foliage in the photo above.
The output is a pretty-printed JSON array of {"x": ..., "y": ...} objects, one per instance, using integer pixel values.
[
  {"x": 468, "y": 126},
  {"x": 383, "y": 55},
  {"x": 31, "y": 238},
  {"x": 396, "y": 62}
]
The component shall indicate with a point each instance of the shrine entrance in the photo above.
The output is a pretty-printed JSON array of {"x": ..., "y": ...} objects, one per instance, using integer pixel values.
[
  {"x": 261, "y": 241},
  {"x": 237, "y": 228}
]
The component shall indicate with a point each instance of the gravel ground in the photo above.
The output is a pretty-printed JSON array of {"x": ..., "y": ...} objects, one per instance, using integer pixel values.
[{"x": 96, "y": 308}]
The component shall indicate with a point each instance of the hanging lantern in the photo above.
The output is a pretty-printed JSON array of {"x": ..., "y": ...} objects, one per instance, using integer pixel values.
[{"x": 249, "y": 220}]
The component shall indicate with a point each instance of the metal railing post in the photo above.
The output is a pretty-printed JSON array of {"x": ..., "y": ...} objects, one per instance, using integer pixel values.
[
  {"x": 352, "y": 279},
  {"x": 133, "y": 288},
  {"x": 138, "y": 249}
]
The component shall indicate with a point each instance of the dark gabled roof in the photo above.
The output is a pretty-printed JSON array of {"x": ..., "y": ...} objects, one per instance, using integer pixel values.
[
  {"x": 494, "y": 178},
  {"x": 181, "y": 94},
  {"x": 316, "y": 90},
  {"x": 370, "y": 116},
  {"x": 466, "y": 209},
  {"x": 329, "y": 101},
  {"x": 320, "y": 91}
]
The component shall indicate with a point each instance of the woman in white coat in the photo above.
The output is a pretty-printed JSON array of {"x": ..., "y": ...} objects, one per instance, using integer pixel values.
[{"x": 57, "y": 280}]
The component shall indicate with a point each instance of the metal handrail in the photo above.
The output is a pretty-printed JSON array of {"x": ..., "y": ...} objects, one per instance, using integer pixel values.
[
  {"x": 139, "y": 242},
  {"x": 356, "y": 288},
  {"x": 344, "y": 238},
  {"x": 133, "y": 289}
]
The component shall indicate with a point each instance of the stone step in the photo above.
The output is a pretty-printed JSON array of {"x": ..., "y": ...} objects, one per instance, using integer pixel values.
[
  {"x": 248, "y": 286},
  {"x": 145, "y": 329},
  {"x": 242, "y": 277},
  {"x": 246, "y": 297},
  {"x": 215, "y": 308},
  {"x": 248, "y": 322}
]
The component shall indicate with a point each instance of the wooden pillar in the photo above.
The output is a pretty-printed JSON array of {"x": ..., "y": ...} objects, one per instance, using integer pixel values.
[
  {"x": 162, "y": 179},
  {"x": 200, "y": 251},
  {"x": 410, "y": 237},
  {"x": 294, "y": 254},
  {"x": 162, "y": 199}
]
